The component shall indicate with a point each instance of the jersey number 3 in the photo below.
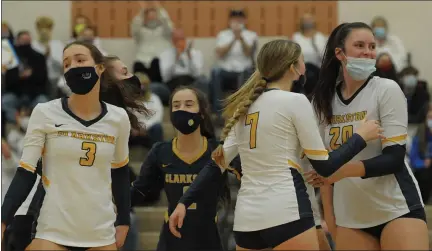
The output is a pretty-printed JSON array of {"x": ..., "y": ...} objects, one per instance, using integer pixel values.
[
  {"x": 252, "y": 121},
  {"x": 335, "y": 132},
  {"x": 89, "y": 159}
]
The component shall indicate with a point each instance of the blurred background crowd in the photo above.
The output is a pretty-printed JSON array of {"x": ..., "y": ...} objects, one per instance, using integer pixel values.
[{"x": 164, "y": 58}]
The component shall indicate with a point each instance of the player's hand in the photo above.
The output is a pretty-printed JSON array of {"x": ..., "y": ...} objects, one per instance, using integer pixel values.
[
  {"x": 370, "y": 130},
  {"x": 176, "y": 219},
  {"x": 315, "y": 179},
  {"x": 3, "y": 228},
  {"x": 121, "y": 234}
]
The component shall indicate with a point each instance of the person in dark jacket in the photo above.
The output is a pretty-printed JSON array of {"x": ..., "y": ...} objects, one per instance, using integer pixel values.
[{"x": 28, "y": 82}]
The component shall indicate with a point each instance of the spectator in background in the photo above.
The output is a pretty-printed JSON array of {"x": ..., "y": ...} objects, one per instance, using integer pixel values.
[
  {"x": 313, "y": 44},
  {"x": 29, "y": 85},
  {"x": 151, "y": 29},
  {"x": 80, "y": 22},
  {"x": 153, "y": 125},
  {"x": 417, "y": 94},
  {"x": 52, "y": 49},
  {"x": 181, "y": 64},
  {"x": 421, "y": 155},
  {"x": 7, "y": 33},
  {"x": 235, "y": 48},
  {"x": 389, "y": 43},
  {"x": 385, "y": 68},
  {"x": 88, "y": 35}
]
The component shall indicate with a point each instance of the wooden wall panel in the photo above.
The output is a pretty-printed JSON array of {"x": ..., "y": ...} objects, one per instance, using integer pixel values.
[{"x": 207, "y": 18}]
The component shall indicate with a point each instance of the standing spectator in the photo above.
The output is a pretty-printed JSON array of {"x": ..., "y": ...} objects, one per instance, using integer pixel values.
[
  {"x": 389, "y": 43},
  {"x": 29, "y": 84},
  {"x": 151, "y": 29},
  {"x": 235, "y": 48},
  {"x": 181, "y": 64},
  {"x": 52, "y": 49},
  {"x": 6, "y": 32},
  {"x": 313, "y": 44},
  {"x": 421, "y": 155},
  {"x": 417, "y": 94}
]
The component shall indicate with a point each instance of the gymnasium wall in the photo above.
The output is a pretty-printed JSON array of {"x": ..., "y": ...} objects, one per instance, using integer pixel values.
[{"x": 203, "y": 19}]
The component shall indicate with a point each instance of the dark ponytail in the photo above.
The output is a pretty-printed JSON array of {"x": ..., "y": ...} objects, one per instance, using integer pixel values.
[
  {"x": 122, "y": 93},
  {"x": 324, "y": 91}
]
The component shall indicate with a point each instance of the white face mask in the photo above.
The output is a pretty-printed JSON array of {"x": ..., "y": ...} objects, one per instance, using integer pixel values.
[
  {"x": 24, "y": 121},
  {"x": 360, "y": 68},
  {"x": 236, "y": 26},
  {"x": 410, "y": 81},
  {"x": 429, "y": 123}
]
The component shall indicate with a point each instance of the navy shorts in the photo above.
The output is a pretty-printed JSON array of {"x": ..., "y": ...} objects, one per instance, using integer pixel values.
[
  {"x": 377, "y": 230},
  {"x": 274, "y": 236}
]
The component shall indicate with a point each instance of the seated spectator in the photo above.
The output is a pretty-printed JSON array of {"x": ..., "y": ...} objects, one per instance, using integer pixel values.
[
  {"x": 389, "y": 43},
  {"x": 7, "y": 33},
  {"x": 151, "y": 30},
  {"x": 88, "y": 34},
  {"x": 385, "y": 68},
  {"x": 235, "y": 47},
  {"x": 417, "y": 94},
  {"x": 153, "y": 125},
  {"x": 181, "y": 64},
  {"x": 52, "y": 49},
  {"x": 421, "y": 155},
  {"x": 27, "y": 85}
]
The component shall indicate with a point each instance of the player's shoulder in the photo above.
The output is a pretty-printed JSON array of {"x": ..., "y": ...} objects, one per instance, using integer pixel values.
[
  {"x": 286, "y": 97},
  {"x": 47, "y": 107},
  {"x": 162, "y": 148},
  {"x": 116, "y": 111},
  {"x": 383, "y": 85}
]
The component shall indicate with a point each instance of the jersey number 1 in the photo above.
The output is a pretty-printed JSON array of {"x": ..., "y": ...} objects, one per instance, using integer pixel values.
[
  {"x": 335, "y": 132},
  {"x": 89, "y": 159},
  {"x": 252, "y": 121}
]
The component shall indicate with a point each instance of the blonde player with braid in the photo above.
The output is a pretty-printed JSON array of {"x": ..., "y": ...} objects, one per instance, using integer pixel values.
[{"x": 269, "y": 126}]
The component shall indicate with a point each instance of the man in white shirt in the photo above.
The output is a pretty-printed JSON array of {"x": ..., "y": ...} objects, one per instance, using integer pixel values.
[
  {"x": 52, "y": 49},
  {"x": 389, "y": 43},
  {"x": 181, "y": 64},
  {"x": 235, "y": 47}
]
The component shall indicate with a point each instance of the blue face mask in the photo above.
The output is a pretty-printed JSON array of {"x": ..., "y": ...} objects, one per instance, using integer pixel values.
[
  {"x": 380, "y": 32},
  {"x": 410, "y": 81},
  {"x": 360, "y": 68}
]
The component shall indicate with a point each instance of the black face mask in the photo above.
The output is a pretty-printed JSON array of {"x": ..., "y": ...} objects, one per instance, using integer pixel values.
[
  {"x": 81, "y": 80},
  {"x": 300, "y": 82},
  {"x": 24, "y": 49},
  {"x": 186, "y": 122}
]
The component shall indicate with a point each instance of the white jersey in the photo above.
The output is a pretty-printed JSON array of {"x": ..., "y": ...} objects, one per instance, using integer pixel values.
[
  {"x": 363, "y": 203},
  {"x": 77, "y": 159},
  {"x": 269, "y": 139},
  {"x": 306, "y": 167}
]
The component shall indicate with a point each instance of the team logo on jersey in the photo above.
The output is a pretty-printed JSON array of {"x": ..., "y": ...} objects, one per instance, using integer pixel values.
[
  {"x": 190, "y": 122},
  {"x": 86, "y": 75}
]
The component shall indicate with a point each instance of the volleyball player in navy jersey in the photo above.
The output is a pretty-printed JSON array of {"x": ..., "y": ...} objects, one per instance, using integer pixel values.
[
  {"x": 87, "y": 137},
  {"x": 173, "y": 166}
]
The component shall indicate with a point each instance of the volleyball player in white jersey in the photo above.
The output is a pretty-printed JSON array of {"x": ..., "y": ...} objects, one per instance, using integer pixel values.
[
  {"x": 383, "y": 209},
  {"x": 85, "y": 156},
  {"x": 269, "y": 127}
]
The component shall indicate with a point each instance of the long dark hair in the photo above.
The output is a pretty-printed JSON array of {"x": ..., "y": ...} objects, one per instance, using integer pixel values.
[
  {"x": 389, "y": 73},
  {"x": 325, "y": 89},
  {"x": 112, "y": 91},
  {"x": 207, "y": 129}
]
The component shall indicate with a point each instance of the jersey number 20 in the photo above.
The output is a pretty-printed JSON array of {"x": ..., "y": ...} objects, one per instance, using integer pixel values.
[
  {"x": 335, "y": 132},
  {"x": 89, "y": 159},
  {"x": 252, "y": 121}
]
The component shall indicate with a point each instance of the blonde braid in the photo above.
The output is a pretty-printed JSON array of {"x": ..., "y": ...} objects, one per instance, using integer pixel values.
[{"x": 256, "y": 90}]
